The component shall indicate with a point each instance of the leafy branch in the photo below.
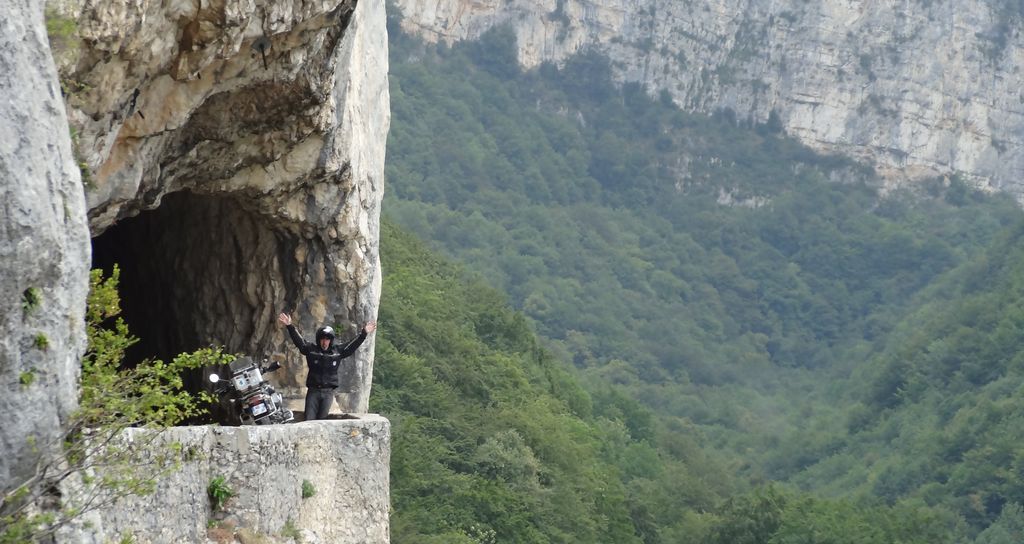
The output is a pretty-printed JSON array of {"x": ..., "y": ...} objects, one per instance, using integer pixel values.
[{"x": 99, "y": 458}]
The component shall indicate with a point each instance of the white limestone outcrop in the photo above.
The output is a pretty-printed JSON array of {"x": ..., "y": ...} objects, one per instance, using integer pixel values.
[
  {"x": 917, "y": 89},
  {"x": 325, "y": 481}
]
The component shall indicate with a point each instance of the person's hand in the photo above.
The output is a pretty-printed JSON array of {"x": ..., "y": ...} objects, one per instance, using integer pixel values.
[
  {"x": 285, "y": 319},
  {"x": 370, "y": 327}
]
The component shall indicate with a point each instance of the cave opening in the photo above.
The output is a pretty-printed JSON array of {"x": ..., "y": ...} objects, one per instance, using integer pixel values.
[{"x": 197, "y": 271}]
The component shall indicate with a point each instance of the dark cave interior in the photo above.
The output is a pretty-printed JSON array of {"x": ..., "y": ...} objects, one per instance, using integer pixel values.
[
  {"x": 145, "y": 249},
  {"x": 198, "y": 270}
]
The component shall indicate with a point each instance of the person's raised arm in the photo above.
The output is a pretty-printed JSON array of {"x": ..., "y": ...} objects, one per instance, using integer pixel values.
[
  {"x": 354, "y": 344},
  {"x": 286, "y": 320}
]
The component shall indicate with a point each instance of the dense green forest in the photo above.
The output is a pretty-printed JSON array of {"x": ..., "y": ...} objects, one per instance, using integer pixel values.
[
  {"x": 939, "y": 414},
  {"x": 493, "y": 441},
  {"x": 742, "y": 309}
]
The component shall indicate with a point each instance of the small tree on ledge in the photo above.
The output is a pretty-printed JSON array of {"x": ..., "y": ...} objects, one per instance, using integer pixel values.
[{"x": 93, "y": 465}]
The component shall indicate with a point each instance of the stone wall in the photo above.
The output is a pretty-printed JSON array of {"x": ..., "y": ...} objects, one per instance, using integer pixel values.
[{"x": 345, "y": 460}]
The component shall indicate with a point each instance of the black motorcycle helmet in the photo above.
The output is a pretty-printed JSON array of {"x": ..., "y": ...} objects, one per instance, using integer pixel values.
[{"x": 325, "y": 332}]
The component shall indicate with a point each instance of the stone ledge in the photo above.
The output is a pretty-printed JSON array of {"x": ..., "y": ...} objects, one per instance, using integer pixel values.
[{"x": 345, "y": 460}]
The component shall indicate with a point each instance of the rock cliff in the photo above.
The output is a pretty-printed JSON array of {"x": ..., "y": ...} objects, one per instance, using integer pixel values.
[
  {"x": 44, "y": 246},
  {"x": 235, "y": 152},
  {"x": 228, "y": 155},
  {"x": 915, "y": 88}
]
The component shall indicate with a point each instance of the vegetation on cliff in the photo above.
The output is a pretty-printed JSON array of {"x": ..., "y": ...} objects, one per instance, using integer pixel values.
[{"x": 91, "y": 466}]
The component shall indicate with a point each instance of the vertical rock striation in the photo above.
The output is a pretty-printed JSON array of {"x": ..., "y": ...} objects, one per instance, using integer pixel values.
[
  {"x": 917, "y": 89},
  {"x": 44, "y": 247}
]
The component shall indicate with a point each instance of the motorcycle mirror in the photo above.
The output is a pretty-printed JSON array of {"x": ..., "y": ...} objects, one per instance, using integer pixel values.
[{"x": 214, "y": 378}]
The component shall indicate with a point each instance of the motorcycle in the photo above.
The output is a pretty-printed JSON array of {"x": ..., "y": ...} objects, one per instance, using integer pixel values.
[{"x": 250, "y": 399}]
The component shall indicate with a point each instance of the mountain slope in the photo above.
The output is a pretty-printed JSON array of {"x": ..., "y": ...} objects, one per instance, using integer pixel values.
[
  {"x": 708, "y": 296},
  {"x": 728, "y": 278},
  {"x": 939, "y": 415},
  {"x": 494, "y": 442}
]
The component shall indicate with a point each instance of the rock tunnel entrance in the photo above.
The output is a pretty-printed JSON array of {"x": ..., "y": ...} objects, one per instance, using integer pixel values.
[{"x": 199, "y": 270}]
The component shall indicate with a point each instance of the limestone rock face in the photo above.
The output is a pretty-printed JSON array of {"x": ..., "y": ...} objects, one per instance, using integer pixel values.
[
  {"x": 345, "y": 461},
  {"x": 44, "y": 246},
  {"x": 236, "y": 150},
  {"x": 917, "y": 89}
]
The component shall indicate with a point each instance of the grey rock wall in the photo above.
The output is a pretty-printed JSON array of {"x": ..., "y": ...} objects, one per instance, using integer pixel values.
[
  {"x": 44, "y": 246},
  {"x": 345, "y": 460},
  {"x": 917, "y": 89}
]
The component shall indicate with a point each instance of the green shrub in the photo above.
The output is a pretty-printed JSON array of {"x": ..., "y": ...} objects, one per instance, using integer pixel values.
[
  {"x": 219, "y": 493},
  {"x": 62, "y": 32},
  {"x": 291, "y": 531},
  {"x": 30, "y": 299}
]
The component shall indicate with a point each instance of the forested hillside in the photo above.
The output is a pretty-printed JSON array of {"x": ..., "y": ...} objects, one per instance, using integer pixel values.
[
  {"x": 939, "y": 414},
  {"x": 767, "y": 304},
  {"x": 493, "y": 441}
]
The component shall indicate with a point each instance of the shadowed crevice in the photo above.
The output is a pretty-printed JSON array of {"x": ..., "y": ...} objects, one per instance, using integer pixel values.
[{"x": 198, "y": 270}]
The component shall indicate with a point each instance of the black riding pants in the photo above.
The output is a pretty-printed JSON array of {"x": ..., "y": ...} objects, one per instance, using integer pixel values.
[{"x": 318, "y": 403}]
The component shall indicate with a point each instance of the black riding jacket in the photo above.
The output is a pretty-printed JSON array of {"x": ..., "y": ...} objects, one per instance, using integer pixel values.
[{"x": 323, "y": 364}]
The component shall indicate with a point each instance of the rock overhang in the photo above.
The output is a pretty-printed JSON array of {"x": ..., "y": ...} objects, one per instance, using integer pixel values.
[{"x": 261, "y": 125}]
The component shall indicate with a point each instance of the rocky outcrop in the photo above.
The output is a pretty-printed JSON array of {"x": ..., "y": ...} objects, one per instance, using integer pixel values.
[
  {"x": 44, "y": 247},
  {"x": 322, "y": 481},
  {"x": 236, "y": 151},
  {"x": 917, "y": 89},
  {"x": 229, "y": 156}
]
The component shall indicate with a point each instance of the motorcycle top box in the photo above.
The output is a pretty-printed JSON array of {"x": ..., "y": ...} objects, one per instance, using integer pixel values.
[{"x": 244, "y": 374}]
